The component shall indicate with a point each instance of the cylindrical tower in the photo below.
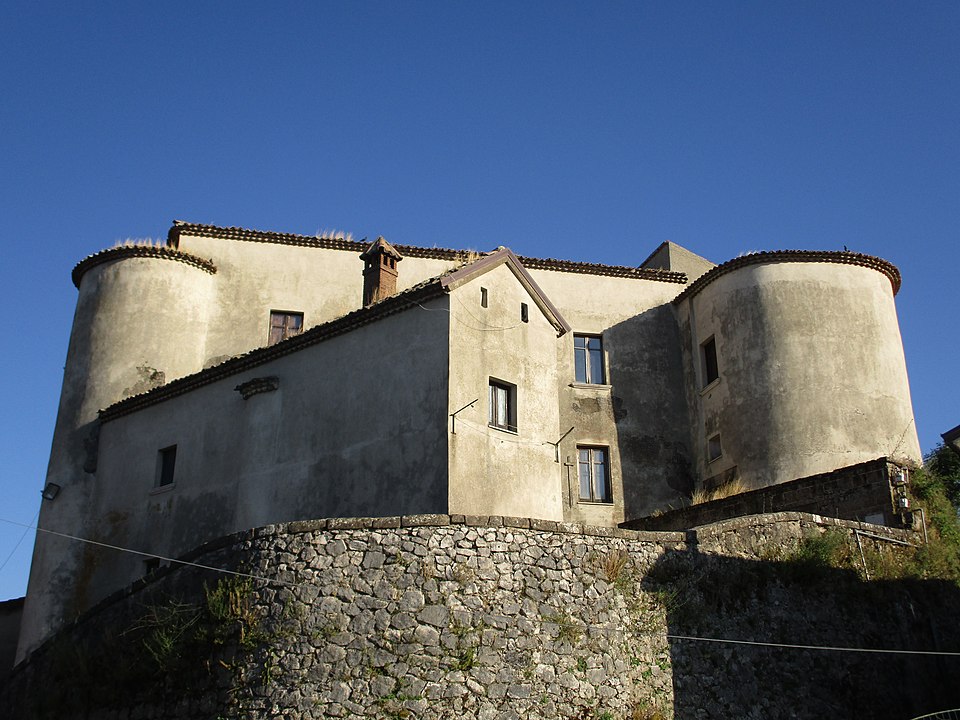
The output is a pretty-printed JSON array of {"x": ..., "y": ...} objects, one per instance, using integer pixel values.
[
  {"x": 794, "y": 366},
  {"x": 141, "y": 320}
]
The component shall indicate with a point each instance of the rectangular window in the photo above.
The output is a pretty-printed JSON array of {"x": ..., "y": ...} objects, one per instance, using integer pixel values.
[
  {"x": 166, "y": 462},
  {"x": 284, "y": 325},
  {"x": 708, "y": 353},
  {"x": 524, "y": 312},
  {"x": 483, "y": 297},
  {"x": 588, "y": 359},
  {"x": 503, "y": 406},
  {"x": 714, "y": 449},
  {"x": 594, "y": 475}
]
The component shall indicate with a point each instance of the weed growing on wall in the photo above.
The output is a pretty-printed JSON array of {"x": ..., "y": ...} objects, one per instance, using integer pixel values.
[
  {"x": 940, "y": 558},
  {"x": 172, "y": 647}
]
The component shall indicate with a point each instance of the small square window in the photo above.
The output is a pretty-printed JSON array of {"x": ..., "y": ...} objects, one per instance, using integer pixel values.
[
  {"x": 151, "y": 565},
  {"x": 714, "y": 449},
  {"x": 503, "y": 406},
  {"x": 284, "y": 325},
  {"x": 594, "y": 474},
  {"x": 588, "y": 359},
  {"x": 166, "y": 462},
  {"x": 708, "y": 355}
]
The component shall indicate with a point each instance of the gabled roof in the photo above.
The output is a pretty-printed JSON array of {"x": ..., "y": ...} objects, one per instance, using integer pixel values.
[
  {"x": 381, "y": 245},
  {"x": 235, "y": 233},
  {"x": 409, "y": 298},
  {"x": 504, "y": 256}
]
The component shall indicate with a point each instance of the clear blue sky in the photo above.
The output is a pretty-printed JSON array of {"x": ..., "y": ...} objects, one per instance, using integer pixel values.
[{"x": 589, "y": 131}]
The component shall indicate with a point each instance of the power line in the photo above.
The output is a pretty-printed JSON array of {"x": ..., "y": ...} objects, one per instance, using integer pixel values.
[
  {"x": 812, "y": 647},
  {"x": 22, "y": 536},
  {"x": 152, "y": 555},
  {"x": 669, "y": 636}
]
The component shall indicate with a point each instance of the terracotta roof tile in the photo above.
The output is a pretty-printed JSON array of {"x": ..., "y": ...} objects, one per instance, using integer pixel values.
[
  {"x": 235, "y": 233},
  {"x": 794, "y": 256},
  {"x": 149, "y": 251}
]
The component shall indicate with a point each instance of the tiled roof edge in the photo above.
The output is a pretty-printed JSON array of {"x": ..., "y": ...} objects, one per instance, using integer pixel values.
[
  {"x": 266, "y": 236},
  {"x": 394, "y": 304},
  {"x": 637, "y": 273},
  {"x": 236, "y": 233},
  {"x": 147, "y": 251},
  {"x": 796, "y": 256}
]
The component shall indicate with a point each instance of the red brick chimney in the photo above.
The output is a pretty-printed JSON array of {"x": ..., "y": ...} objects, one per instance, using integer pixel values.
[{"x": 379, "y": 271}]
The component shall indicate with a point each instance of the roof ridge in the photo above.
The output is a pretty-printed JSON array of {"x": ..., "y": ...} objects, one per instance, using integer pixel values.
[
  {"x": 843, "y": 257},
  {"x": 237, "y": 233}
]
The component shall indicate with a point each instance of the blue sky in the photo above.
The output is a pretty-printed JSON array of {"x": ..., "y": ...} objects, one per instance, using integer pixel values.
[{"x": 587, "y": 131}]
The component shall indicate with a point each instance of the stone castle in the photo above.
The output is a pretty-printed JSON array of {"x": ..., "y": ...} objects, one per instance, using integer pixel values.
[{"x": 233, "y": 379}]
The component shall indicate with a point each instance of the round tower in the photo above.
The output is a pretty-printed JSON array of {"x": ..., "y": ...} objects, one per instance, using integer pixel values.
[
  {"x": 794, "y": 366},
  {"x": 140, "y": 321}
]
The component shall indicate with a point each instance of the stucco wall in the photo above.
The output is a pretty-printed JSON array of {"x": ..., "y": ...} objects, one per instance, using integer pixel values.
[
  {"x": 138, "y": 322},
  {"x": 493, "y": 471},
  {"x": 640, "y": 414},
  {"x": 357, "y": 427},
  {"x": 254, "y": 278},
  {"x": 812, "y": 373}
]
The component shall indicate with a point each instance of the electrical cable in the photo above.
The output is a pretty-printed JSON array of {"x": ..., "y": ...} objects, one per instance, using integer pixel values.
[
  {"x": 668, "y": 636},
  {"x": 813, "y": 647},
  {"x": 153, "y": 555},
  {"x": 22, "y": 536}
]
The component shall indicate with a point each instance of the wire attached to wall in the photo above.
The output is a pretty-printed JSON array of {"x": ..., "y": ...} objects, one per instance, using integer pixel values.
[{"x": 604, "y": 628}]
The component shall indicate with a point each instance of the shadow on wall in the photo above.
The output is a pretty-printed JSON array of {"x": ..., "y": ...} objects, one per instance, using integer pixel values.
[
  {"x": 801, "y": 602},
  {"x": 646, "y": 375}
]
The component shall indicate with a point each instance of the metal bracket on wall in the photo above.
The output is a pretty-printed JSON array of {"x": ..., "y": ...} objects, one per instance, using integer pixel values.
[
  {"x": 453, "y": 415},
  {"x": 556, "y": 445}
]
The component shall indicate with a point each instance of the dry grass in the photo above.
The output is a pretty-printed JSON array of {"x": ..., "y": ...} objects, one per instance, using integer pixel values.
[
  {"x": 333, "y": 234},
  {"x": 613, "y": 564},
  {"x": 734, "y": 487},
  {"x": 139, "y": 242}
]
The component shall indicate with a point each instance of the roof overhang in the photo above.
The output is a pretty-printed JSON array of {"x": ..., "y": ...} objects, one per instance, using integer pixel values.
[{"x": 504, "y": 256}]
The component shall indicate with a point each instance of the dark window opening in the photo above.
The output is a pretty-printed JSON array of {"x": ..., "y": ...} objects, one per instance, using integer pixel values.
[
  {"x": 284, "y": 325},
  {"x": 503, "y": 406},
  {"x": 594, "y": 474},
  {"x": 483, "y": 297},
  {"x": 151, "y": 565},
  {"x": 588, "y": 359},
  {"x": 524, "y": 312},
  {"x": 166, "y": 462},
  {"x": 711, "y": 370},
  {"x": 714, "y": 449}
]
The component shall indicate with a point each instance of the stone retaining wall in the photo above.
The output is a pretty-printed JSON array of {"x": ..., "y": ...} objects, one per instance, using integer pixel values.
[{"x": 436, "y": 617}]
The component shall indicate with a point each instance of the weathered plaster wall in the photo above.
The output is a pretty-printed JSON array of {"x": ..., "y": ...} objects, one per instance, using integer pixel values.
[
  {"x": 812, "y": 373},
  {"x": 138, "y": 322},
  {"x": 441, "y": 616},
  {"x": 493, "y": 471},
  {"x": 640, "y": 414},
  {"x": 254, "y": 278},
  {"x": 337, "y": 438}
]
